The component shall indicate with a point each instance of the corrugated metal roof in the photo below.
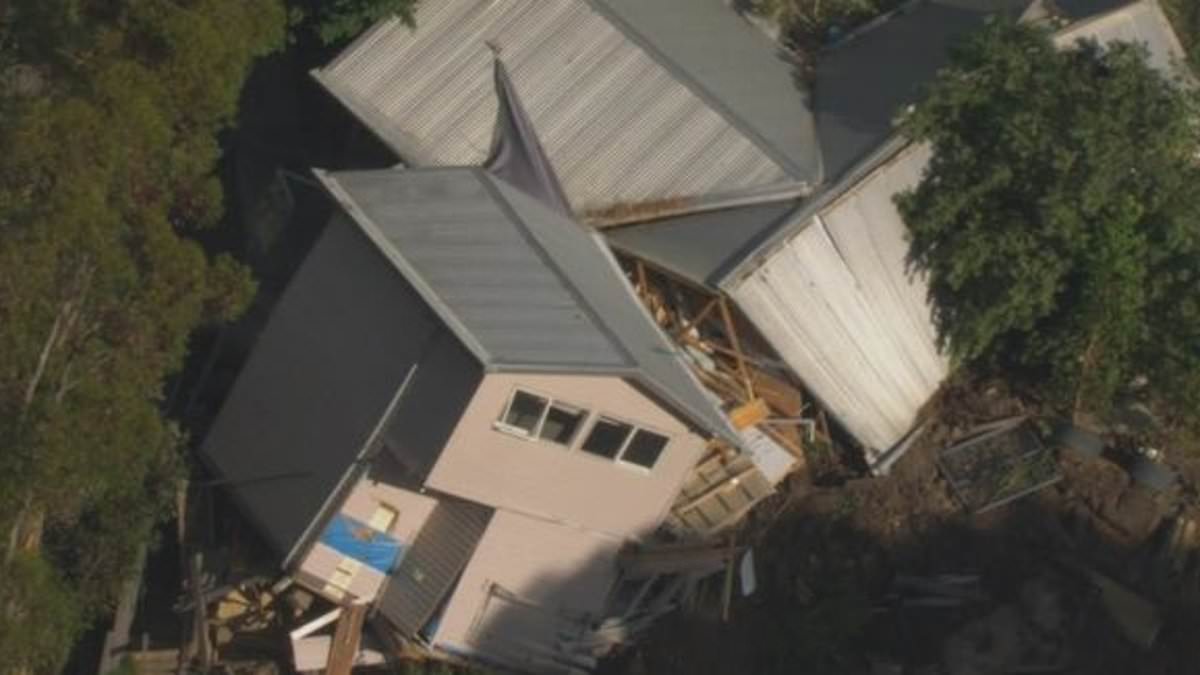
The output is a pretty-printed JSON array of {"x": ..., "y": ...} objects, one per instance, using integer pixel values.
[
  {"x": 431, "y": 565},
  {"x": 323, "y": 372},
  {"x": 839, "y": 304},
  {"x": 865, "y": 343},
  {"x": 1141, "y": 23},
  {"x": 523, "y": 287},
  {"x": 864, "y": 82},
  {"x": 628, "y": 131},
  {"x": 735, "y": 67}
]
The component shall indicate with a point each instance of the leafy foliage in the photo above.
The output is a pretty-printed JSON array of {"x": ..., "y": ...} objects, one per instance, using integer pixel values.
[
  {"x": 1059, "y": 220},
  {"x": 807, "y": 24},
  {"x": 340, "y": 20},
  {"x": 1185, "y": 17},
  {"x": 109, "y": 165}
]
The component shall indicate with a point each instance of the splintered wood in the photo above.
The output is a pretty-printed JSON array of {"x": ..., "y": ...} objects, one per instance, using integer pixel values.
[
  {"x": 735, "y": 364},
  {"x": 717, "y": 494},
  {"x": 346, "y": 640}
]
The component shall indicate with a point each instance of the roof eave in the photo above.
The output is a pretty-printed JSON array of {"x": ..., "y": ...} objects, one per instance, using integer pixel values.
[
  {"x": 410, "y": 273},
  {"x": 805, "y": 212}
]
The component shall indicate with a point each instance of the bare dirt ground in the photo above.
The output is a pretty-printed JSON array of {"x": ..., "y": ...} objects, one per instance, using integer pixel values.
[{"x": 829, "y": 560}]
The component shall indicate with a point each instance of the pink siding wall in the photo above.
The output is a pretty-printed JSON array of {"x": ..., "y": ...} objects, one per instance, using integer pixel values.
[
  {"x": 413, "y": 509},
  {"x": 546, "y": 480},
  {"x": 562, "y": 570}
]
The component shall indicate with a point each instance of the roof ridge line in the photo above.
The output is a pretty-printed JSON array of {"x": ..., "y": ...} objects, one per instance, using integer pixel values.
[
  {"x": 410, "y": 274},
  {"x": 697, "y": 89},
  {"x": 488, "y": 181}
]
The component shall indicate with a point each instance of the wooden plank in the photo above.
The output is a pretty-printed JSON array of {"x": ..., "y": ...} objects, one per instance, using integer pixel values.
[
  {"x": 788, "y": 444},
  {"x": 642, "y": 285},
  {"x": 727, "y": 317},
  {"x": 728, "y": 484},
  {"x": 749, "y": 414},
  {"x": 779, "y": 394},
  {"x": 346, "y": 640},
  {"x": 673, "y": 559},
  {"x": 698, "y": 319},
  {"x": 202, "y": 645}
]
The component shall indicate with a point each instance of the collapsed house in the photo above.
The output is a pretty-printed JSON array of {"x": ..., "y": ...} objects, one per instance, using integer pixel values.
[
  {"x": 462, "y": 410},
  {"x": 460, "y": 414},
  {"x": 691, "y": 145}
]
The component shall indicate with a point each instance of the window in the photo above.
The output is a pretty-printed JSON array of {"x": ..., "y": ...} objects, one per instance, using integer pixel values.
[
  {"x": 617, "y": 440},
  {"x": 561, "y": 423},
  {"x": 645, "y": 448},
  {"x": 608, "y": 437},
  {"x": 535, "y": 416},
  {"x": 383, "y": 518},
  {"x": 525, "y": 412}
]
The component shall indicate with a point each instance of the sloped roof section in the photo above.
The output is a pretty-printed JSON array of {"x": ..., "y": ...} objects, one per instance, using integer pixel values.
[
  {"x": 631, "y": 130},
  {"x": 840, "y": 305},
  {"x": 700, "y": 247},
  {"x": 736, "y": 67},
  {"x": 1141, "y": 23},
  {"x": 524, "y": 288},
  {"x": 865, "y": 81},
  {"x": 517, "y": 154},
  {"x": 324, "y": 370}
]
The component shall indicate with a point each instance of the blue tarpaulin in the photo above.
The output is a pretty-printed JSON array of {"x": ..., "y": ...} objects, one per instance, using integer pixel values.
[{"x": 362, "y": 542}]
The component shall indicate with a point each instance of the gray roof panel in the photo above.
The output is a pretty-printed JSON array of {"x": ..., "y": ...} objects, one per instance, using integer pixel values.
[
  {"x": 523, "y": 287},
  {"x": 865, "y": 81},
  {"x": 737, "y": 68},
  {"x": 700, "y": 247},
  {"x": 322, "y": 373},
  {"x": 629, "y": 130}
]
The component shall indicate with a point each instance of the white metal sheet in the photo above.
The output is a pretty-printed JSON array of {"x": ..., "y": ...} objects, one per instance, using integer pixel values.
[
  {"x": 619, "y": 127},
  {"x": 841, "y": 307}
]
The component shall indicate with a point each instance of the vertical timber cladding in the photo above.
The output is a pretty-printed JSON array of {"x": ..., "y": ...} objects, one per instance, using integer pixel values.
[{"x": 839, "y": 304}]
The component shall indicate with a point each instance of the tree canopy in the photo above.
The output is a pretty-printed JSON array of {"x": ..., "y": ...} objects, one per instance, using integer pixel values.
[
  {"x": 1059, "y": 219},
  {"x": 340, "y": 20},
  {"x": 110, "y": 116}
]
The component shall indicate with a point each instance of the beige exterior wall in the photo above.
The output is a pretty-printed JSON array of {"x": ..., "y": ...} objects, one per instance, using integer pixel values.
[
  {"x": 549, "y": 481},
  {"x": 529, "y": 580},
  {"x": 412, "y": 510}
]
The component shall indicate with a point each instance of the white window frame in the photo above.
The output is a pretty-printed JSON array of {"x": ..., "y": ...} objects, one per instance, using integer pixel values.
[
  {"x": 535, "y": 434},
  {"x": 385, "y": 510},
  {"x": 619, "y": 458},
  {"x": 342, "y": 578}
]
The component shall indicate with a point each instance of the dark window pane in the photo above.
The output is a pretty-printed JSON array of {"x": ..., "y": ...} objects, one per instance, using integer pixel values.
[
  {"x": 561, "y": 424},
  {"x": 644, "y": 449},
  {"x": 525, "y": 411},
  {"x": 607, "y": 437}
]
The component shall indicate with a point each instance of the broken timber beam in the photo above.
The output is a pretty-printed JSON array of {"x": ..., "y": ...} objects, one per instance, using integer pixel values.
[
  {"x": 698, "y": 319},
  {"x": 727, "y": 317},
  {"x": 672, "y": 559},
  {"x": 346, "y": 639}
]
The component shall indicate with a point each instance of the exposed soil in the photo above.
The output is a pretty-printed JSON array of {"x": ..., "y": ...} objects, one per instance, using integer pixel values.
[{"x": 827, "y": 561}]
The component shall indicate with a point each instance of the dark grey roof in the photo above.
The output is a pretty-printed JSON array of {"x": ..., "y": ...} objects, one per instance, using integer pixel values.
[
  {"x": 700, "y": 247},
  {"x": 1079, "y": 9},
  {"x": 865, "y": 81},
  {"x": 431, "y": 565},
  {"x": 524, "y": 288},
  {"x": 517, "y": 154},
  {"x": 735, "y": 66},
  {"x": 323, "y": 372}
]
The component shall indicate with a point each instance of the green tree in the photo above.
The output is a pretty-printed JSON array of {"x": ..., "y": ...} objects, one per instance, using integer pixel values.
[
  {"x": 108, "y": 169},
  {"x": 1185, "y": 17},
  {"x": 1059, "y": 217},
  {"x": 340, "y": 20}
]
